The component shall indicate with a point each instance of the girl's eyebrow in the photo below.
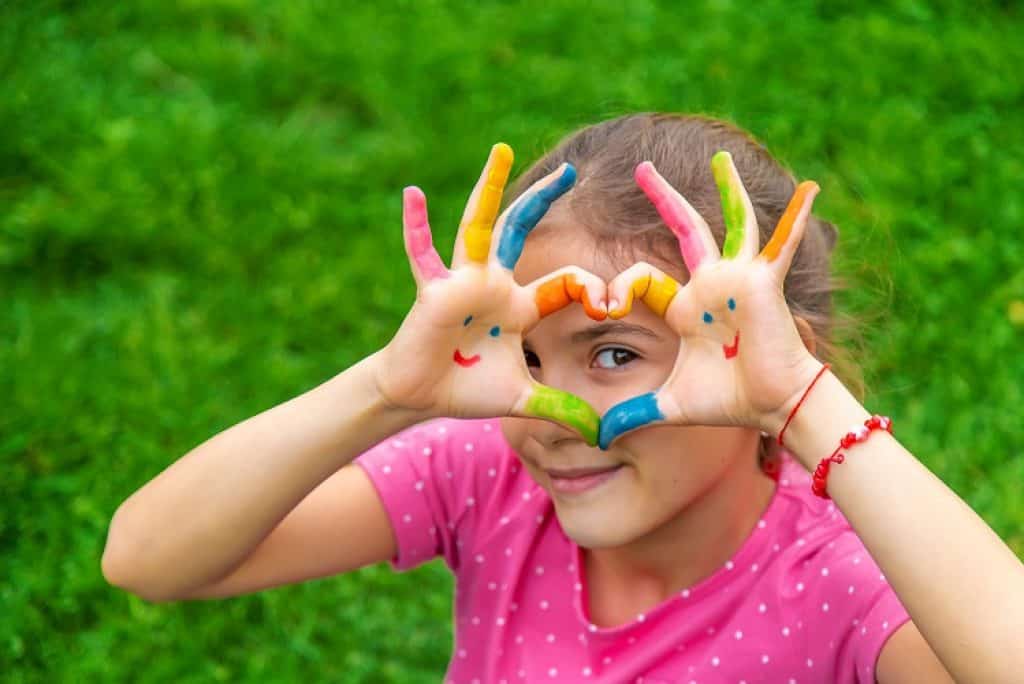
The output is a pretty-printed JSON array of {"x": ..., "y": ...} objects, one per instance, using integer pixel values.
[{"x": 611, "y": 328}]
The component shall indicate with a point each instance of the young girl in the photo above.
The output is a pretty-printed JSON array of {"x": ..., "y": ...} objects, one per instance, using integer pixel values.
[{"x": 686, "y": 546}]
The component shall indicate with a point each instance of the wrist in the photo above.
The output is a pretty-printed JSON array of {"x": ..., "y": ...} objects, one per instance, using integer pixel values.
[
  {"x": 827, "y": 413},
  {"x": 804, "y": 378}
]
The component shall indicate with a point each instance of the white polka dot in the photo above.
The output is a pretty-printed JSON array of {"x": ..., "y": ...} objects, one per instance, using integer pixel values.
[
  {"x": 553, "y": 672},
  {"x": 824, "y": 572},
  {"x": 468, "y": 447},
  {"x": 587, "y": 672},
  {"x": 475, "y": 620},
  {"x": 540, "y": 519},
  {"x": 500, "y": 622},
  {"x": 715, "y": 661},
  {"x": 800, "y": 542},
  {"x": 738, "y": 635},
  {"x": 592, "y": 627},
  {"x": 508, "y": 552},
  {"x": 881, "y": 577},
  {"x": 762, "y": 608},
  {"x": 491, "y": 472},
  {"x": 448, "y": 474},
  {"x": 419, "y": 485},
  {"x": 607, "y": 659},
  {"x": 462, "y": 653},
  {"x": 729, "y": 565},
  {"x": 526, "y": 496},
  {"x": 686, "y": 593},
  {"x": 856, "y": 560},
  {"x": 711, "y": 630},
  {"x": 427, "y": 451},
  {"x": 572, "y": 568},
  {"x": 504, "y": 520},
  {"x": 519, "y": 638},
  {"x": 407, "y": 518},
  {"x": 850, "y": 590},
  {"x": 479, "y": 558},
  {"x": 799, "y": 586},
  {"x": 785, "y": 482},
  {"x": 885, "y": 625},
  {"x": 487, "y": 427},
  {"x": 522, "y": 674},
  {"x": 492, "y": 585},
  {"x": 863, "y": 630},
  {"x": 810, "y": 663},
  {"x": 765, "y": 659},
  {"x": 762, "y": 524},
  {"x": 470, "y": 501},
  {"x": 551, "y": 638},
  {"x": 641, "y": 617},
  {"x": 432, "y": 530},
  {"x": 544, "y": 605},
  {"x": 398, "y": 444},
  {"x": 386, "y": 469},
  {"x": 785, "y": 631},
  {"x": 775, "y": 548},
  {"x": 824, "y": 607},
  {"x": 578, "y": 586},
  {"x": 856, "y": 622},
  {"x": 753, "y": 568}
]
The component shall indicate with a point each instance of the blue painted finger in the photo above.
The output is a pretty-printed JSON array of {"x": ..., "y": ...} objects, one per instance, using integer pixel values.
[
  {"x": 628, "y": 415},
  {"x": 527, "y": 214}
]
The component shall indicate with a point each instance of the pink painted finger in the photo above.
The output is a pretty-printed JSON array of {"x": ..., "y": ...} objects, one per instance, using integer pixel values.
[
  {"x": 419, "y": 244},
  {"x": 696, "y": 242}
]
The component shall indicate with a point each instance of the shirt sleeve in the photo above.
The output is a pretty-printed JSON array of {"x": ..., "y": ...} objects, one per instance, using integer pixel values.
[{"x": 428, "y": 478}]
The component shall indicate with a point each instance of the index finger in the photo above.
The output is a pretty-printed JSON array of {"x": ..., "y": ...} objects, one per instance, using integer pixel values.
[{"x": 473, "y": 241}]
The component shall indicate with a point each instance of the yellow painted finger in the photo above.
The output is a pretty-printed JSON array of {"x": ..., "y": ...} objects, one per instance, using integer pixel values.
[{"x": 480, "y": 224}]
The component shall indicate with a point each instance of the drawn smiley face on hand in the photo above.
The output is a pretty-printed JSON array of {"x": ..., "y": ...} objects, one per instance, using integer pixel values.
[
  {"x": 730, "y": 350},
  {"x": 467, "y": 362}
]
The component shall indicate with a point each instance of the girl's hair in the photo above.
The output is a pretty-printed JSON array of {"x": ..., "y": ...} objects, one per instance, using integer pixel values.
[{"x": 609, "y": 204}]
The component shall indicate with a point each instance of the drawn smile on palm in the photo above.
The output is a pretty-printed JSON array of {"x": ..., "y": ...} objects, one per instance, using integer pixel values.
[
  {"x": 730, "y": 350},
  {"x": 468, "y": 361}
]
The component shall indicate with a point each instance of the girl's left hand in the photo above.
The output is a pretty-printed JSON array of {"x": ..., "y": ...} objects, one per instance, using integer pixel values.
[{"x": 742, "y": 361}]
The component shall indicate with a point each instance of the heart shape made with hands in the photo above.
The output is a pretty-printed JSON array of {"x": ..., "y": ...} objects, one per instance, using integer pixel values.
[{"x": 719, "y": 302}]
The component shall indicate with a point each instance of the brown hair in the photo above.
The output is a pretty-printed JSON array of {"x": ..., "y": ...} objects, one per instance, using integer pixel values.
[{"x": 608, "y": 202}]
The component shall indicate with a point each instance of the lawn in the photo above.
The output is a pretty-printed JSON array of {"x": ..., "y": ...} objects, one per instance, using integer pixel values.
[{"x": 200, "y": 218}]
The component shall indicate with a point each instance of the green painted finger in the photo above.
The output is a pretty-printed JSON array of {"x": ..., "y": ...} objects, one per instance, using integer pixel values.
[
  {"x": 733, "y": 210},
  {"x": 547, "y": 402}
]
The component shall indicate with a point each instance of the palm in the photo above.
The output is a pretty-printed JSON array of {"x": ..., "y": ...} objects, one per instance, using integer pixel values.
[{"x": 459, "y": 351}]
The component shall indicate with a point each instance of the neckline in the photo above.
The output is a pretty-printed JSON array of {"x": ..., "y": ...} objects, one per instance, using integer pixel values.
[{"x": 750, "y": 546}]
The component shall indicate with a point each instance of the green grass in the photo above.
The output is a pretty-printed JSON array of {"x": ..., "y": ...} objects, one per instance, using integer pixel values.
[{"x": 197, "y": 198}]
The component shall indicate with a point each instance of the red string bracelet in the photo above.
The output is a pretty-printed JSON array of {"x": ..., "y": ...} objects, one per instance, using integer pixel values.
[
  {"x": 858, "y": 434},
  {"x": 806, "y": 392}
]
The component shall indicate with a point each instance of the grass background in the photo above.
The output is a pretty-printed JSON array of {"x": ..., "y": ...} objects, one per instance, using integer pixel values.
[{"x": 200, "y": 218}]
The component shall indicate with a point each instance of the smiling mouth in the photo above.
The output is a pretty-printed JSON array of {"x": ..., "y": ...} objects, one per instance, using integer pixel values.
[
  {"x": 463, "y": 361},
  {"x": 734, "y": 349}
]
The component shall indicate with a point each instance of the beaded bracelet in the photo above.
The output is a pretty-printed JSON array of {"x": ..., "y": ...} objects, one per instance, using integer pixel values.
[{"x": 859, "y": 434}]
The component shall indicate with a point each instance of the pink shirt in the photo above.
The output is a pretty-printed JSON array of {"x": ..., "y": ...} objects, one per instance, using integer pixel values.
[{"x": 800, "y": 601}]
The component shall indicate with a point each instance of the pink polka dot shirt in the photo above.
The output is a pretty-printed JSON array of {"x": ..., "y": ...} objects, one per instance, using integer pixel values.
[{"x": 800, "y": 601}]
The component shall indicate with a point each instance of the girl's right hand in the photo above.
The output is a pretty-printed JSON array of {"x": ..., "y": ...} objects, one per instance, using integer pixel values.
[{"x": 459, "y": 350}]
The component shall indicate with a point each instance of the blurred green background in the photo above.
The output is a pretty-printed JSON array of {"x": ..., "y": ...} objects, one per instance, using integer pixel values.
[{"x": 200, "y": 218}]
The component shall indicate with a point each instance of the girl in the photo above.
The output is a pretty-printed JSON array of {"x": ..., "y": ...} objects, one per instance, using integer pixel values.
[{"x": 687, "y": 546}]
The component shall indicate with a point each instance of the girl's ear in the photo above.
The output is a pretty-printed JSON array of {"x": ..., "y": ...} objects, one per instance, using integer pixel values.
[{"x": 806, "y": 334}]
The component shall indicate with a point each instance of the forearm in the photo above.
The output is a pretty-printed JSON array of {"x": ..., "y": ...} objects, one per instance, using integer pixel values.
[
  {"x": 963, "y": 587},
  {"x": 203, "y": 515}
]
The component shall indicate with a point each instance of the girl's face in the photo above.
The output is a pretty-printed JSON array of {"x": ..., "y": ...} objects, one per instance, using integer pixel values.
[{"x": 661, "y": 470}]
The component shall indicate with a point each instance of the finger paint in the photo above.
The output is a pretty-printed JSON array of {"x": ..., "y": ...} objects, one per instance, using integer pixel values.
[
  {"x": 732, "y": 350},
  {"x": 477, "y": 235},
  {"x": 528, "y": 213},
  {"x": 733, "y": 211},
  {"x": 629, "y": 415},
  {"x": 547, "y": 402},
  {"x": 656, "y": 292},
  {"x": 558, "y": 292},
  {"x": 774, "y": 247},
  {"x": 495, "y": 331},
  {"x": 673, "y": 213},
  {"x": 464, "y": 361},
  {"x": 418, "y": 239}
]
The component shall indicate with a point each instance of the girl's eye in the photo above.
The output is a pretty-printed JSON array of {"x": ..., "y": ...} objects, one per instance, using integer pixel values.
[
  {"x": 531, "y": 359},
  {"x": 613, "y": 357}
]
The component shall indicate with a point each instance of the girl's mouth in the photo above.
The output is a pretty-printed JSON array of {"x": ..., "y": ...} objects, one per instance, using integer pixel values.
[
  {"x": 734, "y": 349},
  {"x": 463, "y": 361}
]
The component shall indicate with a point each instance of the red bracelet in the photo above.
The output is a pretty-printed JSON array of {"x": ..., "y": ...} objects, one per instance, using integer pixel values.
[
  {"x": 859, "y": 434},
  {"x": 804, "y": 396}
]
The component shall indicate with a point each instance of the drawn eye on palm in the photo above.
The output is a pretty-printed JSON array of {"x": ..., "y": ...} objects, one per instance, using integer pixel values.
[{"x": 726, "y": 292}]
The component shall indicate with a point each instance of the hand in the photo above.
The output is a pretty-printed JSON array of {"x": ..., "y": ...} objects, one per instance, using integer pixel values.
[
  {"x": 459, "y": 350},
  {"x": 741, "y": 361}
]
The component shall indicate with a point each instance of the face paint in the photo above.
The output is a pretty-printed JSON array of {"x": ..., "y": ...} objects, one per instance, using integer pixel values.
[
  {"x": 732, "y": 350},
  {"x": 629, "y": 415},
  {"x": 547, "y": 402},
  {"x": 463, "y": 361},
  {"x": 558, "y": 292},
  {"x": 784, "y": 228},
  {"x": 527, "y": 213},
  {"x": 477, "y": 234},
  {"x": 418, "y": 240},
  {"x": 733, "y": 211},
  {"x": 673, "y": 213}
]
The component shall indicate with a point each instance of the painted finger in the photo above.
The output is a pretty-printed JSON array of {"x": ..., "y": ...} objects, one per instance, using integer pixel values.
[
  {"x": 790, "y": 230},
  {"x": 541, "y": 401},
  {"x": 741, "y": 237},
  {"x": 641, "y": 281},
  {"x": 424, "y": 260},
  {"x": 473, "y": 242},
  {"x": 696, "y": 242},
  {"x": 523, "y": 216},
  {"x": 557, "y": 290},
  {"x": 652, "y": 408}
]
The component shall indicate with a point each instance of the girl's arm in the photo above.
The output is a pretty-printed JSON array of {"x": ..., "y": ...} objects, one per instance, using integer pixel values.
[
  {"x": 458, "y": 353},
  {"x": 963, "y": 587}
]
